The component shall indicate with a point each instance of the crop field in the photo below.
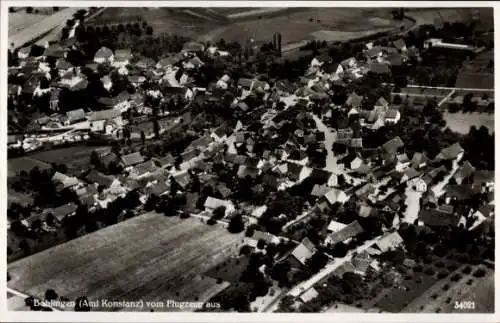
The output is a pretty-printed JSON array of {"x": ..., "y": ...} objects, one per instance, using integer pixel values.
[
  {"x": 424, "y": 16},
  {"x": 230, "y": 270},
  {"x": 149, "y": 257},
  {"x": 297, "y": 25},
  {"x": 467, "y": 288},
  {"x": 461, "y": 122},
  {"x": 21, "y": 31},
  {"x": 73, "y": 157},
  {"x": 16, "y": 165}
]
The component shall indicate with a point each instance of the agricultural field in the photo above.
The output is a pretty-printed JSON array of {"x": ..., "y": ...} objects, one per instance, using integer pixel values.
[
  {"x": 149, "y": 257},
  {"x": 22, "y": 32},
  {"x": 439, "y": 298},
  {"x": 230, "y": 270},
  {"x": 431, "y": 16},
  {"x": 26, "y": 163},
  {"x": 462, "y": 122},
  {"x": 74, "y": 157}
]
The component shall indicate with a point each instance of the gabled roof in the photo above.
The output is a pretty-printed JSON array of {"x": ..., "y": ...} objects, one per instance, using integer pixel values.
[
  {"x": 382, "y": 102},
  {"x": 64, "y": 210},
  {"x": 450, "y": 152},
  {"x": 103, "y": 52},
  {"x": 146, "y": 167},
  {"x": 108, "y": 114},
  {"x": 374, "y": 51},
  {"x": 193, "y": 47},
  {"x": 464, "y": 171},
  {"x": 399, "y": 44},
  {"x": 379, "y": 68},
  {"x": 393, "y": 145},
  {"x": 390, "y": 241},
  {"x": 54, "y": 50},
  {"x": 158, "y": 189},
  {"x": 418, "y": 159},
  {"x": 63, "y": 64},
  {"x": 75, "y": 115},
  {"x": 349, "y": 231},
  {"x": 132, "y": 159},
  {"x": 99, "y": 178},
  {"x": 303, "y": 251},
  {"x": 365, "y": 190},
  {"x": 125, "y": 53},
  {"x": 245, "y": 82},
  {"x": 411, "y": 173},
  {"x": 354, "y": 100},
  {"x": 402, "y": 158},
  {"x": 436, "y": 218},
  {"x": 320, "y": 190},
  {"x": 336, "y": 195},
  {"x": 213, "y": 203}
]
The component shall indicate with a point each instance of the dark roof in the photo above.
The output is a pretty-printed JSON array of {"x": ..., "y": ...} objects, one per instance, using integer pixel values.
[
  {"x": 158, "y": 188},
  {"x": 399, "y": 43},
  {"x": 438, "y": 218},
  {"x": 350, "y": 231},
  {"x": 193, "y": 47},
  {"x": 379, "y": 68},
  {"x": 132, "y": 159},
  {"x": 172, "y": 90},
  {"x": 108, "y": 114},
  {"x": 450, "y": 152},
  {"x": 462, "y": 192},
  {"x": 54, "y": 50},
  {"x": 464, "y": 171},
  {"x": 125, "y": 53},
  {"x": 374, "y": 51},
  {"x": 99, "y": 178},
  {"x": 354, "y": 100},
  {"x": 393, "y": 145},
  {"x": 64, "y": 210}
]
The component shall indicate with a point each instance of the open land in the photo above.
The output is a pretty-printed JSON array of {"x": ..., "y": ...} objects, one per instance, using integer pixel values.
[
  {"x": 26, "y": 32},
  {"x": 149, "y": 257},
  {"x": 461, "y": 122},
  {"x": 26, "y": 163}
]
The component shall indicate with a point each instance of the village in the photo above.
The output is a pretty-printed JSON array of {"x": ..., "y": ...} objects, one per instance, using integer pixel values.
[{"x": 350, "y": 185}]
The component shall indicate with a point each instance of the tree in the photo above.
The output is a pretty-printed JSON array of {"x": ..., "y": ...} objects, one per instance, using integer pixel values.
[
  {"x": 95, "y": 159},
  {"x": 50, "y": 294},
  {"x": 219, "y": 212},
  {"x": 261, "y": 244},
  {"x": 236, "y": 224},
  {"x": 143, "y": 137},
  {"x": 29, "y": 10},
  {"x": 317, "y": 261}
]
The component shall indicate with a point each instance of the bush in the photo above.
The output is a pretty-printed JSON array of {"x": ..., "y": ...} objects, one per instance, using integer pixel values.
[
  {"x": 211, "y": 221},
  {"x": 467, "y": 270},
  {"x": 184, "y": 215},
  {"x": 429, "y": 271},
  {"x": 434, "y": 296},
  {"x": 29, "y": 10},
  {"x": 417, "y": 268},
  {"x": 219, "y": 281},
  {"x": 442, "y": 274},
  {"x": 469, "y": 282},
  {"x": 452, "y": 266},
  {"x": 439, "y": 264},
  {"x": 446, "y": 287},
  {"x": 455, "y": 277},
  {"x": 480, "y": 273}
]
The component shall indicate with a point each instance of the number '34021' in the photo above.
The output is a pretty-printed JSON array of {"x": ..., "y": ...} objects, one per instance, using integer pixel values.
[{"x": 465, "y": 305}]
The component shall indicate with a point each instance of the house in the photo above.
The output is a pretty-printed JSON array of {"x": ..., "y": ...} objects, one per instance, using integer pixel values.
[
  {"x": 122, "y": 57},
  {"x": 438, "y": 217},
  {"x": 365, "y": 211},
  {"x": 354, "y": 100},
  {"x": 308, "y": 295},
  {"x": 420, "y": 185},
  {"x": 389, "y": 241},
  {"x": 400, "y": 45},
  {"x": 75, "y": 116},
  {"x": 131, "y": 159},
  {"x": 402, "y": 162},
  {"x": 145, "y": 63},
  {"x": 419, "y": 160},
  {"x": 320, "y": 190},
  {"x": 349, "y": 63},
  {"x": 99, "y": 179},
  {"x": 158, "y": 189},
  {"x": 193, "y": 47},
  {"x": 64, "y": 211},
  {"x": 335, "y": 226},
  {"x": 365, "y": 190},
  {"x": 392, "y": 116},
  {"x": 54, "y": 50},
  {"x": 63, "y": 66},
  {"x": 373, "y": 53},
  {"x": 145, "y": 169},
  {"x": 452, "y": 152},
  {"x": 336, "y": 196},
  {"x": 393, "y": 145},
  {"x": 345, "y": 234},
  {"x": 379, "y": 68},
  {"x": 104, "y": 55},
  {"x": 212, "y": 203},
  {"x": 463, "y": 172},
  {"x": 193, "y": 63},
  {"x": 304, "y": 250},
  {"x": 182, "y": 178},
  {"x": 259, "y": 211}
]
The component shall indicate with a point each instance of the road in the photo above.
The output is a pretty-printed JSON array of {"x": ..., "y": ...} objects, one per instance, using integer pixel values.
[{"x": 444, "y": 88}]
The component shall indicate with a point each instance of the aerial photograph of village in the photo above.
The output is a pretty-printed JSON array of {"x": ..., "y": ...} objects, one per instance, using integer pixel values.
[{"x": 259, "y": 160}]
